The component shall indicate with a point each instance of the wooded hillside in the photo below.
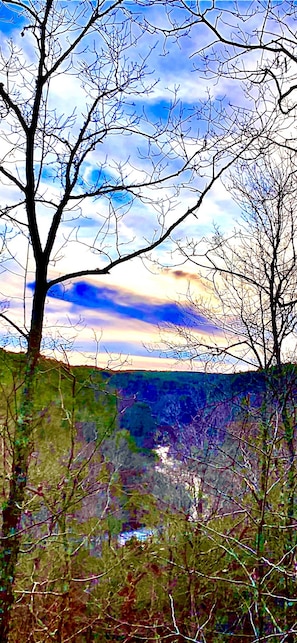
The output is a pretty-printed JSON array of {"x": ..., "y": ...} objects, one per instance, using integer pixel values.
[{"x": 217, "y": 561}]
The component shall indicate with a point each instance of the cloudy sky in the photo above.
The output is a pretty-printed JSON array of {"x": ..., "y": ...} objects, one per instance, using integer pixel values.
[{"x": 114, "y": 319}]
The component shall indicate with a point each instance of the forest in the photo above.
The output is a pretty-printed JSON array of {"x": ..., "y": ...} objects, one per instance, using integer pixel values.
[{"x": 121, "y": 544}]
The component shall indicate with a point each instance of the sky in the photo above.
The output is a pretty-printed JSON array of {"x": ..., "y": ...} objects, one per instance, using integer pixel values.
[{"x": 114, "y": 320}]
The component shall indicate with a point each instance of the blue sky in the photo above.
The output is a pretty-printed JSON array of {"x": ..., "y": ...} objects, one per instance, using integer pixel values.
[{"x": 112, "y": 319}]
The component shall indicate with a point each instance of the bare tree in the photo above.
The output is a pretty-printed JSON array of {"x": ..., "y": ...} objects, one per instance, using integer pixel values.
[
  {"x": 250, "y": 274},
  {"x": 252, "y": 278},
  {"x": 252, "y": 46},
  {"x": 60, "y": 163}
]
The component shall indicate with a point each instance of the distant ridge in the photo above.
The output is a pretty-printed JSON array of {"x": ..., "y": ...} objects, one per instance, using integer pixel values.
[{"x": 157, "y": 407}]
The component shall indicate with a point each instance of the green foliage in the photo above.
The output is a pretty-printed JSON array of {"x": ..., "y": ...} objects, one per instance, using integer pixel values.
[{"x": 222, "y": 572}]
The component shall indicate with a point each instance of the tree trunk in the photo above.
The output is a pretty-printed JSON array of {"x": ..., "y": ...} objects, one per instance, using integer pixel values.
[{"x": 12, "y": 508}]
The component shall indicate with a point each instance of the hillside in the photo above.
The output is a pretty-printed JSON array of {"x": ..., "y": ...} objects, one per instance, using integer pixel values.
[
  {"x": 121, "y": 418},
  {"x": 164, "y": 408},
  {"x": 156, "y": 408},
  {"x": 152, "y": 501}
]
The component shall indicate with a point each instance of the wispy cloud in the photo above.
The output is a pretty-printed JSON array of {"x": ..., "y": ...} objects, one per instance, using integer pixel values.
[{"x": 9, "y": 18}]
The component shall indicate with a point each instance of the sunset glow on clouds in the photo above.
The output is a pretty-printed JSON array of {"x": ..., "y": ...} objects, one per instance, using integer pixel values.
[{"x": 122, "y": 324}]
